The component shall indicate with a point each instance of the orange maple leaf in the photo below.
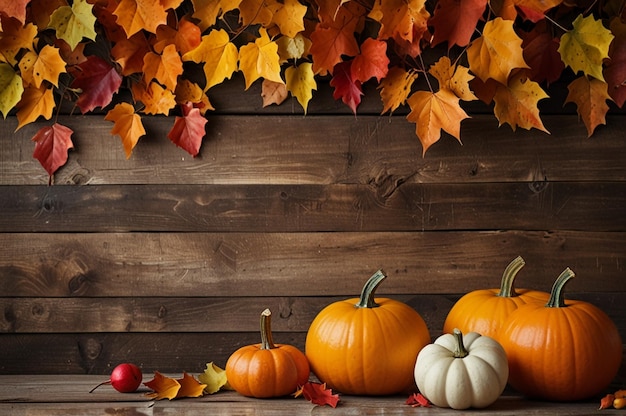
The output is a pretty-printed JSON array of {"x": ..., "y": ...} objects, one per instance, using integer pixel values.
[
  {"x": 129, "y": 53},
  {"x": 186, "y": 36},
  {"x": 163, "y": 387},
  {"x": 155, "y": 98},
  {"x": 590, "y": 96},
  {"x": 35, "y": 102},
  {"x": 165, "y": 68},
  {"x": 289, "y": 17},
  {"x": 187, "y": 91},
  {"x": 51, "y": 146},
  {"x": 188, "y": 130},
  {"x": 189, "y": 386},
  {"x": 516, "y": 103},
  {"x": 371, "y": 62},
  {"x": 15, "y": 37},
  {"x": 208, "y": 11},
  {"x": 128, "y": 125},
  {"x": 395, "y": 88},
  {"x": 47, "y": 66},
  {"x": 136, "y": 15},
  {"x": 456, "y": 78},
  {"x": 405, "y": 21},
  {"x": 253, "y": 12},
  {"x": 433, "y": 112}
]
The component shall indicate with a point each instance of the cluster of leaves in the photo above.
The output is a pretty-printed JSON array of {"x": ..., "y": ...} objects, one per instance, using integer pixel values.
[
  {"x": 170, "y": 53},
  {"x": 616, "y": 400}
]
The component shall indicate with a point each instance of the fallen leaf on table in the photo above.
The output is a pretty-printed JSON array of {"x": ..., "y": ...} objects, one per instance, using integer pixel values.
[
  {"x": 163, "y": 387},
  {"x": 317, "y": 393},
  {"x": 214, "y": 378},
  {"x": 417, "y": 400},
  {"x": 189, "y": 386}
]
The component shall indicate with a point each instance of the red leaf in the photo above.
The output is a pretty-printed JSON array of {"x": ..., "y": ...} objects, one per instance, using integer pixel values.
[
  {"x": 371, "y": 62},
  {"x": 98, "y": 81},
  {"x": 51, "y": 146},
  {"x": 542, "y": 55},
  {"x": 455, "y": 21},
  {"x": 615, "y": 72},
  {"x": 188, "y": 130},
  {"x": 346, "y": 88},
  {"x": 417, "y": 400},
  {"x": 317, "y": 393}
]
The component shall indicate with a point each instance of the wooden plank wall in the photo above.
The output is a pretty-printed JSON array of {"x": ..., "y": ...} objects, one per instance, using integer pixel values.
[{"x": 167, "y": 260}]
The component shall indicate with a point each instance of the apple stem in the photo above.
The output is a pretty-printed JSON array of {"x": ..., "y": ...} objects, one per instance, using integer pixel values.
[{"x": 101, "y": 384}]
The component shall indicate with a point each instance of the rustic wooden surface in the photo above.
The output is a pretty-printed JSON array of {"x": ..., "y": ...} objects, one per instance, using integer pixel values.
[{"x": 45, "y": 395}]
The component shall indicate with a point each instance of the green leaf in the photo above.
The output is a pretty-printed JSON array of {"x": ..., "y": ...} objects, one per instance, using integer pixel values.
[{"x": 11, "y": 88}]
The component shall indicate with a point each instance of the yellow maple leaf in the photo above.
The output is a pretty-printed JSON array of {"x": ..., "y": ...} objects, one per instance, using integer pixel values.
[
  {"x": 496, "y": 52},
  {"x": 289, "y": 17},
  {"x": 433, "y": 112},
  {"x": 453, "y": 77},
  {"x": 155, "y": 98},
  {"x": 165, "y": 67},
  {"x": 136, "y": 15},
  {"x": 74, "y": 23},
  {"x": 585, "y": 46},
  {"x": 516, "y": 103},
  {"x": 13, "y": 38},
  {"x": 11, "y": 88},
  {"x": 257, "y": 12},
  {"x": 273, "y": 92},
  {"x": 293, "y": 48},
  {"x": 190, "y": 92},
  {"x": 163, "y": 387},
  {"x": 218, "y": 55},
  {"x": 590, "y": 96},
  {"x": 189, "y": 386},
  {"x": 259, "y": 59},
  {"x": 214, "y": 378},
  {"x": 208, "y": 11},
  {"x": 35, "y": 102},
  {"x": 128, "y": 125},
  {"x": 48, "y": 66},
  {"x": 301, "y": 83},
  {"x": 395, "y": 88}
]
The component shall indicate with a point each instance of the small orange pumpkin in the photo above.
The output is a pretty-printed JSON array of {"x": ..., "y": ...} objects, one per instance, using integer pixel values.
[
  {"x": 563, "y": 350},
  {"x": 485, "y": 310},
  {"x": 366, "y": 346},
  {"x": 267, "y": 370}
]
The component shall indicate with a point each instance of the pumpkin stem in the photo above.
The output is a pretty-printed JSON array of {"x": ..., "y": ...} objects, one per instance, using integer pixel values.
[
  {"x": 267, "y": 343},
  {"x": 507, "y": 290},
  {"x": 459, "y": 348},
  {"x": 369, "y": 289},
  {"x": 557, "y": 294}
]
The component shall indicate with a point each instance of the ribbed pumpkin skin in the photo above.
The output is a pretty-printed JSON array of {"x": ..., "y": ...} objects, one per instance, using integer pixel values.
[{"x": 366, "y": 351}]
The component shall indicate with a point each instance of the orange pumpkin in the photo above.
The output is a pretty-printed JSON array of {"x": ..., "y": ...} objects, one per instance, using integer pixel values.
[
  {"x": 485, "y": 310},
  {"x": 267, "y": 369},
  {"x": 562, "y": 351},
  {"x": 366, "y": 346}
]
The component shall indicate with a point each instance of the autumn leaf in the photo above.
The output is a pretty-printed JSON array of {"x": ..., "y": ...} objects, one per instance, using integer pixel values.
[
  {"x": 188, "y": 130},
  {"x": 497, "y": 52},
  {"x": 208, "y": 11},
  {"x": 371, "y": 62},
  {"x": 74, "y": 23},
  {"x": 402, "y": 20},
  {"x": 455, "y": 78},
  {"x": 607, "y": 401},
  {"x": 41, "y": 10},
  {"x": 163, "y": 387},
  {"x": 455, "y": 21},
  {"x": 417, "y": 400},
  {"x": 97, "y": 80},
  {"x": 301, "y": 83},
  {"x": 273, "y": 92},
  {"x": 289, "y": 17},
  {"x": 217, "y": 54},
  {"x": 433, "y": 112},
  {"x": 35, "y": 102},
  {"x": 128, "y": 126},
  {"x": 590, "y": 96},
  {"x": 15, "y": 37},
  {"x": 259, "y": 59},
  {"x": 396, "y": 87},
  {"x": 516, "y": 103},
  {"x": 292, "y": 48},
  {"x": 105, "y": 17},
  {"x": 47, "y": 66},
  {"x": 51, "y": 146},
  {"x": 14, "y": 8},
  {"x": 257, "y": 12},
  {"x": 615, "y": 72},
  {"x": 214, "y": 378},
  {"x": 129, "y": 53},
  {"x": 189, "y": 386},
  {"x": 186, "y": 36},
  {"x": 318, "y": 393},
  {"x": 541, "y": 54},
  {"x": 155, "y": 98},
  {"x": 346, "y": 88},
  {"x": 585, "y": 46},
  {"x": 136, "y": 15},
  {"x": 187, "y": 91},
  {"x": 11, "y": 88},
  {"x": 165, "y": 68},
  {"x": 534, "y": 10}
]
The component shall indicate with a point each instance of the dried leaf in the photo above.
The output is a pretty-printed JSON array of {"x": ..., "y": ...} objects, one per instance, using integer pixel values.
[
  {"x": 163, "y": 387},
  {"x": 455, "y": 21},
  {"x": 318, "y": 393},
  {"x": 136, "y": 15},
  {"x": 35, "y": 102},
  {"x": 165, "y": 68},
  {"x": 395, "y": 88},
  {"x": 516, "y": 103},
  {"x": 607, "y": 402},
  {"x": 97, "y": 80},
  {"x": 155, "y": 98},
  {"x": 455, "y": 78},
  {"x": 417, "y": 400},
  {"x": 74, "y": 23},
  {"x": 14, "y": 38},
  {"x": 189, "y": 387},
  {"x": 273, "y": 92},
  {"x": 372, "y": 62},
  {"x": 214, "y": 378},
  {"x": 590, "y": 96},
  {"x": 346, "y": 88}
]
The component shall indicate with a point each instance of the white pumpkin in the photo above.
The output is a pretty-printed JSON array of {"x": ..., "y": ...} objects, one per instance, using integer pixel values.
[{"x": 462, "y": 372}]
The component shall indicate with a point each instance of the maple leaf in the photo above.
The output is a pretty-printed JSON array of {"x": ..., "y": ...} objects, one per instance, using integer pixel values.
[
  {"x": 301, "y": 83},
  {"x": 541, "y": 54},
  {"x": 292, "y": 48},
  {"x": 14, "y": 8},
  {"x": 214, "y": 378},
  {"x": 97, "y": 80},
  {"x": 590, "y": 96},
  {"x": 405, "y": 21},
  {"x": 257, "y": 12},
  {"x": 516, "y": 103},
  {"x": 127, "y": 125},
  {"x": 455, "y": 21},
  {"x": 74, "y": 23},
  {"x": 274, "y": 92},
  {"x": 433, "y": 112},
  {"x": 259, "y": 59},
  {"x": 585, "y": 46},
  {"x": 456, "y": 78},
  {"x": 615, "y": 72},
  {"x": 217, "y": 54},
  {"x": 289, "y": 17},
  {"x": 417, "y": 400},
  {"x": 48, "y": 66},
  {"x": 105, "y": 17},
  {"x": 189, "y": 386},
  {"x": 165, "y": 68},
  {"x": 318, "y": 393},
  {"x": 329, "y": 41},
  {"x": 155, "y": 98},
  {"x": 346, "y": 88},
  {"x": 188, "y": 130},
  {"x": 187, "y": 91},
  {"x": 51, "y": 146},
  {"x": 163, "y": 387},
  {"x": 129, "y": 53},
  {"x": 207, "y": 11},
  {"x": 136, "y": 15},
  {"x": 497, "y": 52},
  {"x": 35, "y": 102},
  {"x": 41, "y": 10},
  {"x": 395, "y": 88},
  {"x": 186, "y": 36},
  {"x": 11, "y": 88},
  {"x": 15, "y": 37},
  {"x": 371, "y": 62}
]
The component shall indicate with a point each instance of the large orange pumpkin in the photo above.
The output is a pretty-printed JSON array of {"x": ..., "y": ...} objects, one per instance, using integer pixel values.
[
  {"x": 562, "y": 351},
  {"x": 267, "y": 370},
  {"x": 485, "y": 310},
  {"x": 366, "y": 346}
]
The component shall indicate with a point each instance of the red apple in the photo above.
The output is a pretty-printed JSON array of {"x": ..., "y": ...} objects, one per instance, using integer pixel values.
[{"x": 125, "y": 378}]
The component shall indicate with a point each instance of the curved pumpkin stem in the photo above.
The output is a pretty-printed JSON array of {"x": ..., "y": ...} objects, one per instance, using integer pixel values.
[
  {"x": 557, "y": 294},
  {"x": 267, "y": 343},
  {"x": 369, "y": 289},
  {"x": 459, "y": 348},
  {"x": 507, "y": 290}
]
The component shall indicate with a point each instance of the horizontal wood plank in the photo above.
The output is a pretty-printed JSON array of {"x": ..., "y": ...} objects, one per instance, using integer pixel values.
[
  {"x": 323, "y": 150},
  {"x": 300, "y": 208},
  {"x": 300, "y": 264}
]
